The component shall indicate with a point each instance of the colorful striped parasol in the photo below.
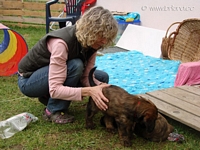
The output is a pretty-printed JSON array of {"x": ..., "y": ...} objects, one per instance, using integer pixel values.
[{"x": 12, "y": 49}]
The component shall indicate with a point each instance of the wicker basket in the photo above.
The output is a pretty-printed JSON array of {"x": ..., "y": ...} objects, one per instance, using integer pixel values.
[
  {"x": 167, "y": 41},
  {"x": 184, "y": 43}
]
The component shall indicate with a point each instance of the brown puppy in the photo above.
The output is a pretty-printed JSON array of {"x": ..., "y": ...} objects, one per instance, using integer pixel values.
[
  {"x": 125, "y": 109},
  {"x": 160, "y": 133}
]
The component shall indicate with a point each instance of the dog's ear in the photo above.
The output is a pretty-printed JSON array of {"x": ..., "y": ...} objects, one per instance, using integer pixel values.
[
  {"x": 90, "y": 77},
  {"x": 149, "y": 122}
]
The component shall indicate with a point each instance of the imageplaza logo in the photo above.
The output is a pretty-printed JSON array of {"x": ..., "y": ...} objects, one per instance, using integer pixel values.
[{"x": 167, "y": 8}]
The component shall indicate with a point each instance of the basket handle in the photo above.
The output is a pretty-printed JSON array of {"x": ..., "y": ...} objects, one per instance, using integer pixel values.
[
  {"x": 170, "y": 27},
  {"x": 170, "y": 43}
]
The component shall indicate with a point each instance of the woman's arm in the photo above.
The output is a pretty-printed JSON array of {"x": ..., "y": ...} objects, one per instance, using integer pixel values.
[
  {"x": 57, "y": 72},
  {"x": 57, "y": 76}
]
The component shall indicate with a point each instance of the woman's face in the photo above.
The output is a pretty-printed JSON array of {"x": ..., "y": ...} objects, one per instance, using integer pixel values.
[{"x": 99, "y": 43}]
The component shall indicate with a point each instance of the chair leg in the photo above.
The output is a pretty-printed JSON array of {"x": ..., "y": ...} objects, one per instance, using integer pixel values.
[
  {"x": 51, "y": 26},
  {"x": 47, "y": 27}
]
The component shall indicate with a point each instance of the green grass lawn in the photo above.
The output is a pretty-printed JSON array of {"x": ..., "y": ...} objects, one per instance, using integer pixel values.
[{"x": 43, "y": 135}]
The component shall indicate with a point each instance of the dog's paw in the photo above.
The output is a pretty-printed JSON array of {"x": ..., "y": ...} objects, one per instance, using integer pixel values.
[
  {"x": 90, "y": 126},
  {"x": 126, "y": 143},
  {"x": 111, "y": 130}
]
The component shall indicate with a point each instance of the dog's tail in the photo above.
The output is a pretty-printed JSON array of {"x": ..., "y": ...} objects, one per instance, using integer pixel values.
[{"x": 90, "y": 77}]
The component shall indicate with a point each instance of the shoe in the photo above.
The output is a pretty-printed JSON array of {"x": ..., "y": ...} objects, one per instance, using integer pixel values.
[{"x": 58, "y": 117}]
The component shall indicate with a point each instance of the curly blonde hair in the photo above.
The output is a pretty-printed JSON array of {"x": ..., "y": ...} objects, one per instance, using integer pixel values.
[{"x": 94, "y": 24}]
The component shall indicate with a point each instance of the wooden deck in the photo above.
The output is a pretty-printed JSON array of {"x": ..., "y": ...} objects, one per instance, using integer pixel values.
[{"x": 179, "y": 103}]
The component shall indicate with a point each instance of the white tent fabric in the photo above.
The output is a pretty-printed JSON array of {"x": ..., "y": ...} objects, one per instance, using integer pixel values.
[{"x": 143, "y": 39}]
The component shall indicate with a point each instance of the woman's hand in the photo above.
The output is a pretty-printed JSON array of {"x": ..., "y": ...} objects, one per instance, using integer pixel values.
[{"x": 98, "y": 97}]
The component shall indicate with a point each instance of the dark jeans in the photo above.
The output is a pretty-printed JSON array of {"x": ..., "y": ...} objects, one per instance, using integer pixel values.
[{"x": 37, "y": 84}]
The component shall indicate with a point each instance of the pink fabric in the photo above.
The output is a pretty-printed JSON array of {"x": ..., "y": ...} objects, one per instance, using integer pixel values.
[
  {"x": 3, "y": 27},
  {"x": 188, "y": 74}
]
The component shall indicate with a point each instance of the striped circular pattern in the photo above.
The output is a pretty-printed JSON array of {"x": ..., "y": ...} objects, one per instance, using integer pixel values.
[{"x": 12, "y": 49}]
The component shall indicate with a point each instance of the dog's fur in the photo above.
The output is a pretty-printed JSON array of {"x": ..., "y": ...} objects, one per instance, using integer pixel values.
[
  {"x": 160, "y": 133},
  {"x": 123, "y": 108}
]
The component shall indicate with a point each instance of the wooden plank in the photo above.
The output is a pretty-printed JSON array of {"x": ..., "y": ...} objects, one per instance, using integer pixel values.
[
  {"x": 21, "y": 24},
  {"x": 11, "y": 18},
  {"x": 23, "y": 20},
  {"x": 35, "y": 20},
  {"x": 29, "y": 13},
  {"x": 176, "y": 102},
  {"x": 192, "y": 89},
  {"x": 12, "y": 12},
  {"x": 175, "y": 113},
  {"x": 183, "y": 95},
  {"x": 13, "y": 0},
  {"x": 30, "y": 5},
  {"x": 12, "y": 5},
  {"x": 57, "y": 7},
  {"x": 41, "y": 6},
  {"x": 1, "y": 4},
  {"x": 40, "y": 14},
  {"x": 197, "y": 86},
  {"x": 34, "y": 6},
  {"x": 35, "y": 0}
]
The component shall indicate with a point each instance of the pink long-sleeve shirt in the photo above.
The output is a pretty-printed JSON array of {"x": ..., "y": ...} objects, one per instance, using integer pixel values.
[{"x": 58, "y": 68}]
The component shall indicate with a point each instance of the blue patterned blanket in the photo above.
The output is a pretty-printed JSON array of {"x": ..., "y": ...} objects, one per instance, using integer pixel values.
[{"x": 137, "y": 73}]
